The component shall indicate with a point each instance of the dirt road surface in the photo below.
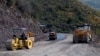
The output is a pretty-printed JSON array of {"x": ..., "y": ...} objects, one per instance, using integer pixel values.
[{"x": 63, "y": 46}]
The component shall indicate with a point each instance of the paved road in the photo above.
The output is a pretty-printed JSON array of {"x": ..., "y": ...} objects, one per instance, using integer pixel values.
[{"x": 60, "y": 47}]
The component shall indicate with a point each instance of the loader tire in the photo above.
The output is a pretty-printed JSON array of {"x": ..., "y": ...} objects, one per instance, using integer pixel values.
[
  {"x": 90, "y": 37},
  {"x": 75, "y": 39},
  {"x": 11, "y": 45},
  {"x": 29, "y": 44},
  {"x": 87, "y": 39}
]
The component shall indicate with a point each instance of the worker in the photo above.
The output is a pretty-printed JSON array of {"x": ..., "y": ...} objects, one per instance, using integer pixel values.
[{"x": 23, "y": 36}]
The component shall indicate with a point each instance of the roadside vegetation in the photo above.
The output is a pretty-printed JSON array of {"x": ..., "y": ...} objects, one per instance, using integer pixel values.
[{"x": 62, "y": 14}]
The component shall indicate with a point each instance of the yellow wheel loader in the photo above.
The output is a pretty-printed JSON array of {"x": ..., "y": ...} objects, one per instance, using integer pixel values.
[
  {"x": 21, "y": 39},
  {"x": 82, "y": 34}
]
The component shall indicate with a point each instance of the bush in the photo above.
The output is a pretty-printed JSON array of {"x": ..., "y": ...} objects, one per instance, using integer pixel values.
[
  {"x": 24, "y": 6},
  {"x": 11, "y": 2}
]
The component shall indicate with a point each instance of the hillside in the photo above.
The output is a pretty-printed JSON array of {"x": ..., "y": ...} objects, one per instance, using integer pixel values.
[
  {"x": 62, "y": 13},
  {"x": 11, "y": 17}
]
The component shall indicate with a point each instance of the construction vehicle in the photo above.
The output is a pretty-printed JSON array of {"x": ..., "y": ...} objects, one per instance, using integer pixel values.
[
  {"x": 44, "y": 28},
  {"x": 21, "y": 39},
  {"x": 52, "y": 36},
  {"x": 82, "y": 33}
]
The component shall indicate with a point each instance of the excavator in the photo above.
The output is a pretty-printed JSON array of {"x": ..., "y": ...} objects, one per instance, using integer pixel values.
[
  {"x": 21, "y": 39},
  {"x": 82, "y": 33}
]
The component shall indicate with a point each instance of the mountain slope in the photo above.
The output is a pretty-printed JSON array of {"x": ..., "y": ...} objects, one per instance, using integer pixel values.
[
  {"x": 61, "y": 13},
  {"x": 11, "y": 17}
]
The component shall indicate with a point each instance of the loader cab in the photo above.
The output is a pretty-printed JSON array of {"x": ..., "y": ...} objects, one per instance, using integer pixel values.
[
  {"x": 19, "y": 33},
  {"x": 83, "y": 27}
]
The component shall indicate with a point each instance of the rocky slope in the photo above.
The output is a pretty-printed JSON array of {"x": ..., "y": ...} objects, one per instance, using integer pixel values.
[
  {"x": 11, "y": 17},
  {"x": 62, "y": 13}
]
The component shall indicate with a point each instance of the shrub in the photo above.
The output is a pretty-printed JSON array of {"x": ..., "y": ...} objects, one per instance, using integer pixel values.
[
  {"x": 24, "y": 6},
  {"x": 11, "y": 2}
]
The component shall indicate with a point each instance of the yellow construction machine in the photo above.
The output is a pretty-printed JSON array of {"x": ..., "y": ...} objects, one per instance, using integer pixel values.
[
  {"x": 21, "y": 39},
  {"x": 82, "y": 33}
]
